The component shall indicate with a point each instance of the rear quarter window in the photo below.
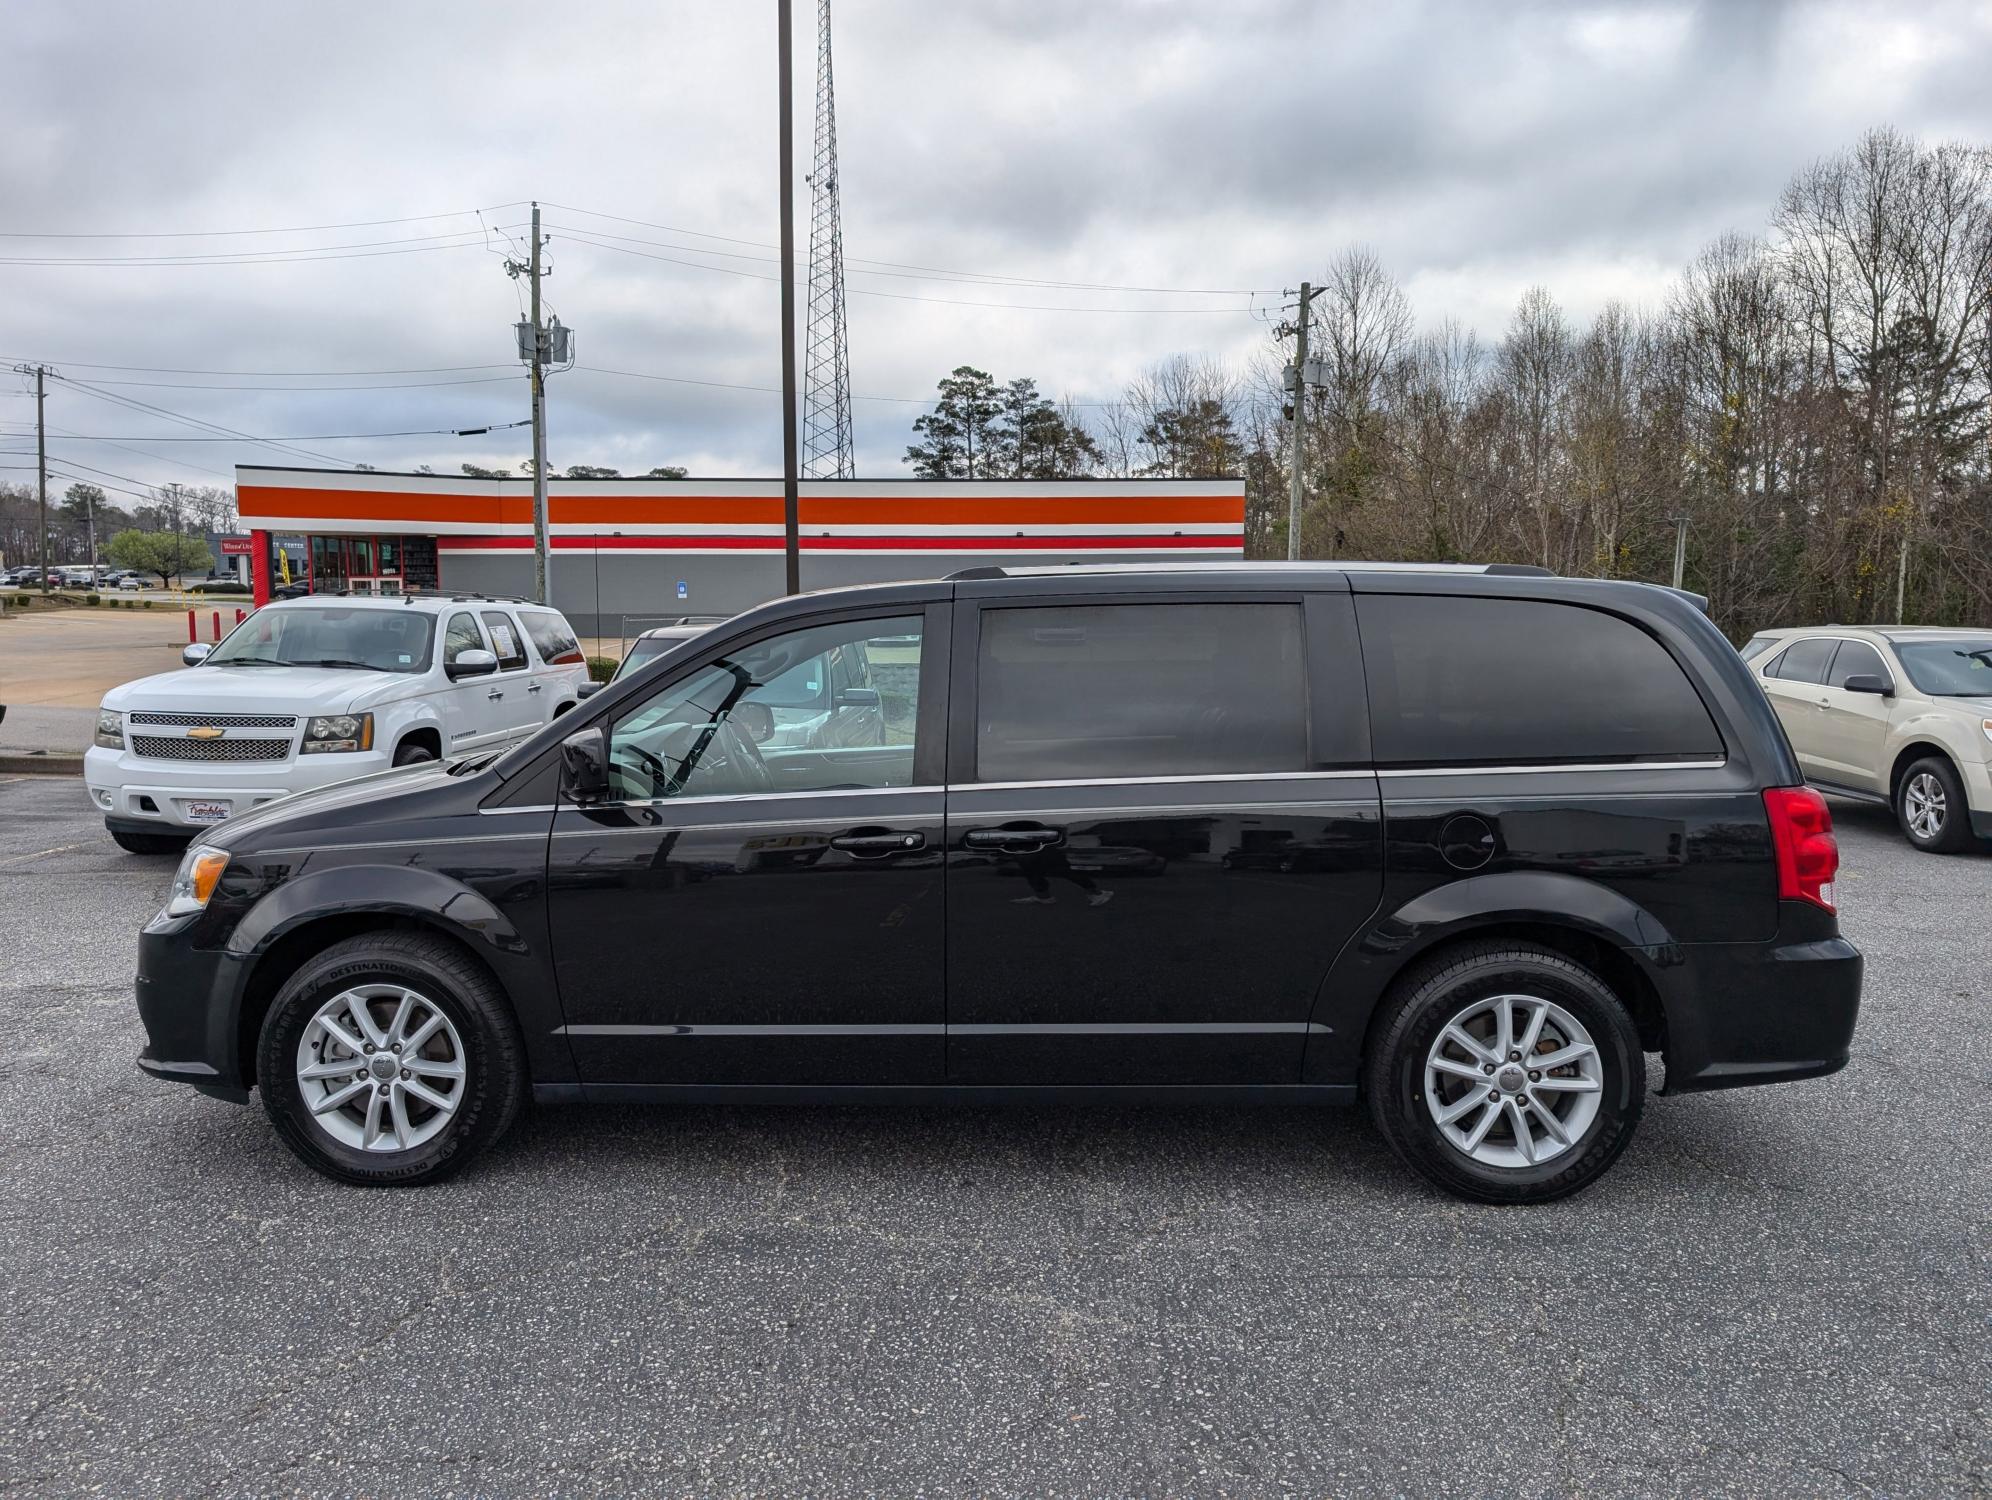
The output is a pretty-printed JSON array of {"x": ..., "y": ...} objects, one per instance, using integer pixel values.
[
  {"x": 1490, "y": 682},
  {"x": 552, "y": 637}
]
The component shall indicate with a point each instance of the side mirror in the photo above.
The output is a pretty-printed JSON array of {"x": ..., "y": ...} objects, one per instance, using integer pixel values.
[
  {"x": 472, "y": 663},
  {"x": 584, "y": 764},
  {"x": 589, "y": 689},
  {"x": 195, "y": 654},
  {"x": 1867, "y": 682},
  {"x": 857, "y": 698}
]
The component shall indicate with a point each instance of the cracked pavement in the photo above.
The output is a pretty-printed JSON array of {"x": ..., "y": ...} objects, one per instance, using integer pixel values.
[{"x": 1783, "y": 1290}]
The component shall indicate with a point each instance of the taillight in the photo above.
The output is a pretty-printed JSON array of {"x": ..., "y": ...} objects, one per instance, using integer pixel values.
[{"x": 1802, "y": 834}]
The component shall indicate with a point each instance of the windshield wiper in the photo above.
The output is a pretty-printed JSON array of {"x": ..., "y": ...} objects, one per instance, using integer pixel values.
[
  {"x": 249, "y": 661},
  {"x": 338, "y": 661}
]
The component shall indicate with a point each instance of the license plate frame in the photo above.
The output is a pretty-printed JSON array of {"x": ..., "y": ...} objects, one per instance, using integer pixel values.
[{"x": 208, "y": 810}]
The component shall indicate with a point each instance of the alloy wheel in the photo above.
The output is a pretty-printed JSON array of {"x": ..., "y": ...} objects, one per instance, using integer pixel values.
[
  {"x": 1924, "y": 806},
  {"x": 381, "y": 1068},
  {"x": 1513, "y": 1081}
]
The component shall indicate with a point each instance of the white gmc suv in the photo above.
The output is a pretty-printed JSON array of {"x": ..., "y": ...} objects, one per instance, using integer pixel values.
[{"x": 306, "y": 692}]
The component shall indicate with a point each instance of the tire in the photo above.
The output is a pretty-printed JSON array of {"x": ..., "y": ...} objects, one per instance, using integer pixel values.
[
  {"x": 412, "y": 753},
  {"x": 1448, "y": 987},
  {"x": 150, "y": 843},
  {"x": 1930, "y": 790},
  {"x": 480, "y": 1031}
]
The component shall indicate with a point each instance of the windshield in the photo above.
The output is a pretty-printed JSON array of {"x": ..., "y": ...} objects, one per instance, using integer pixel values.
[
  {"x": 1949, "y": 669},
  {"x": 318, "y": 635}
]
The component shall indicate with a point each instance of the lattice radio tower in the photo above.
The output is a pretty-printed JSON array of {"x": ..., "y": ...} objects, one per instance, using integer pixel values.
[{"x": 826, "y": 369}]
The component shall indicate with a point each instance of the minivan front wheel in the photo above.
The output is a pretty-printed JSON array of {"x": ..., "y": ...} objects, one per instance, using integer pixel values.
[
  {"x": 1507, "y": 1073},
  {"x": 390, "y": 1059}
]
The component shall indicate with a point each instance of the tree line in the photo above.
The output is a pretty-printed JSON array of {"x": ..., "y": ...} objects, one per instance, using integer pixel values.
[
  {"x": 1815, "y": 400},
  {"x": 174, "y": 509}
]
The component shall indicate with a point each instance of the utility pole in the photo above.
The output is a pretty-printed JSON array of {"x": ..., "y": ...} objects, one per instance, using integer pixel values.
[
  {"x": 786, "y": 126},
  {"x": 41, "y": 465},
  {"x": 1680, "y": 549},
  {"x": 1299, "y": 422},
  {"x": 539, "y": 426}
]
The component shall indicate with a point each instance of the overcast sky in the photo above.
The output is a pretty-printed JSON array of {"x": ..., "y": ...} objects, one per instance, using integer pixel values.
[{"x": 1225, "y": 145}]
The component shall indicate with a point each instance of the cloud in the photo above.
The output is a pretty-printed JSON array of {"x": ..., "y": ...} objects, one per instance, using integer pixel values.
[{"x": 1478, "y": 149}]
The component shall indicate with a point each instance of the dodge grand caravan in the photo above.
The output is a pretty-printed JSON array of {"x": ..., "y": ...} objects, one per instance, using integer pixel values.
[{"x": 1467, "y": 845}]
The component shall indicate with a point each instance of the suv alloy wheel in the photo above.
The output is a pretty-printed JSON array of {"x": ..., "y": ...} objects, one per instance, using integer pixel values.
[
  {"x": 1505, "y": 1072},
  {"x": 1930, "y": 806}
]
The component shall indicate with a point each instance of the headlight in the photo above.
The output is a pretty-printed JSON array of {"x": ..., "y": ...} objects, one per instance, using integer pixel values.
[
  {"x": 338, "y": 732},
  {"x": 110, "y": 729},
  {"x": 195, "y": 880},
  {"x": 1984, "y": 724}
]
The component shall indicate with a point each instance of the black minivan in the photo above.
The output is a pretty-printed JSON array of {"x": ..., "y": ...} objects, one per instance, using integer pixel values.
[{"x": 1465, "y": 843}]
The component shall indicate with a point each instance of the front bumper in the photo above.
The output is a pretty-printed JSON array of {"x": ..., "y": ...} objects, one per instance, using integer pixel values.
[
  {"x": 1760, "y": 1012},
  {"x": 189, "y": 1000},
  {"x": 134, "y": 793}
]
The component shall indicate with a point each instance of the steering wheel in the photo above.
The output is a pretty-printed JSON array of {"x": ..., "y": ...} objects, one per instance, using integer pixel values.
[{"x": 728, "y": 757}]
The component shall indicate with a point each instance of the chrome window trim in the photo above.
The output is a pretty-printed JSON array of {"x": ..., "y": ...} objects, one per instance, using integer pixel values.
[
  {"x": 1019, "y": 786},
  {"x": 1398, "y": 774}
]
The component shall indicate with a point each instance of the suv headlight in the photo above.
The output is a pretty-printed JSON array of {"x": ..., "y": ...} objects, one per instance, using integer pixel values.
[
  {"x": 331, "y": 732},
  {"x": 110, "y": 729},
  {"x": 1986, "y": 725},
  {"x": 195, "y": 880}
]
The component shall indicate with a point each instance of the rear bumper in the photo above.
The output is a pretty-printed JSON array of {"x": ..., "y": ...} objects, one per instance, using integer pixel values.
[{"x": 1760, "y": 1012}]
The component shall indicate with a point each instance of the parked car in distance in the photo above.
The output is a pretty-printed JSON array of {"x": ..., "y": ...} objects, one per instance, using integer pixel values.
[
  {"x": 132, "y": 582},
  {"x": 653, "y": 643},
  {"x": 1599, "y": 847},
  {"x": 314, "y": 691},
  {"x": 218, "y": 583},
  {"x": 1896, "y": 714}
]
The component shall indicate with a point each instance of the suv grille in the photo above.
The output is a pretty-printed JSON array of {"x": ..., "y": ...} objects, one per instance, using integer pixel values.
[
  {"x": 165, "y": 747},
  {"x": 220, "y": 721}
]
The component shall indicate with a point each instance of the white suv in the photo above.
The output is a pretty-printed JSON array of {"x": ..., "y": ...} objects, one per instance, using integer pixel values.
[
  {"x": 1890, "y": 713},
  {"x": 310, "y": 691}
]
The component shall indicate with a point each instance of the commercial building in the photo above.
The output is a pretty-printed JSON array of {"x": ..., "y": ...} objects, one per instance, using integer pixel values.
[{"x": 624, "y": 553}]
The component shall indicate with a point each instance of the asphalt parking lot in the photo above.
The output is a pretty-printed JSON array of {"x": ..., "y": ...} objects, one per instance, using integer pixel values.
[{"x": 1785, "y": 1290}]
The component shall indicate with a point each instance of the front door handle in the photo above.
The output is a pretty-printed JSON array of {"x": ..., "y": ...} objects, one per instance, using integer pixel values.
[
  {"x": 536, "y": 687},
  {"x": 1024, "y": 839},
  {"x": 494, "y": 693},
  {"x": 878, "y": 843}
]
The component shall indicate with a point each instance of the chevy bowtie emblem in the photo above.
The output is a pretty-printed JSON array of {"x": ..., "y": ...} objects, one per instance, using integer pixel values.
[{"x": 204, "y": 732}]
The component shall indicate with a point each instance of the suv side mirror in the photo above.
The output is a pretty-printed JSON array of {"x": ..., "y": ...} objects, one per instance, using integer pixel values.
[
  {"x": 472, "y": 663},
  {"x": 195, "y": 654},
  {"x": 584, "y": 764},
  {"x": 589, "y": 689},
  {"x": 857, "y": 697},
  {"x": 1867, "y": 682}
]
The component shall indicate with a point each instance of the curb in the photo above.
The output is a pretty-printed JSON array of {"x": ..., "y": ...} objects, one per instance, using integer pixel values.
[{"x": 41, "y": 763}]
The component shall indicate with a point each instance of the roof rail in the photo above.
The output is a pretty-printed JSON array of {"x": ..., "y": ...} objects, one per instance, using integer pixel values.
[{"x": 1330, "y": 565}]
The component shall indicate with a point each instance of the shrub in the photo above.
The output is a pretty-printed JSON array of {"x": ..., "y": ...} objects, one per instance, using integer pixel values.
[
  {"x": 93, "y": 600},
  {"x": 602, "y": 668}
]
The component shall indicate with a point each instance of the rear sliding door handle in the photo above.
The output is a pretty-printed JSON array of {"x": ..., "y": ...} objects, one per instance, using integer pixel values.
[
  {"x": 1013, "y": 840},
  {"x": 878, "y": 845}
]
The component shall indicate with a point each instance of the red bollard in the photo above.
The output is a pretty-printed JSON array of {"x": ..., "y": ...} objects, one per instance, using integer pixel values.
[
  {"x": 217, "y": 625},
  {"x": 193, "y": 633},
  {"x": 241, "y": 615}
]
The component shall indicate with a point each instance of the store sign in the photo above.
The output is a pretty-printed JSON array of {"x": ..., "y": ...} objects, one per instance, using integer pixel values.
[{"x": 237, "y": 546}]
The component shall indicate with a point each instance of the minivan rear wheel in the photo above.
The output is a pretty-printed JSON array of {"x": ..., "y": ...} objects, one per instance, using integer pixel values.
[
  {"x": 1506, "y": 1073},
  {"x": 390, "y": 1059}
]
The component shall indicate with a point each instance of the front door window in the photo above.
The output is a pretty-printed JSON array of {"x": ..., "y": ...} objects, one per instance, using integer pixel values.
[{"x": 829, "y": 708}]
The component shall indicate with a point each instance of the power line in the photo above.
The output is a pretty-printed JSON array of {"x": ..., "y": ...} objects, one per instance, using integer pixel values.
[
  {"x": 855, "y": 261},
  {"x": 908, "y": 296},
  {"x": 310, "y": 437},
  {"x": 134, "y": 404},
  {"x": 84, "y": 364},
  {"x": 408, "y": 385},
  {"x": 195, "y": 234},
  {"x": 254, "y": 258}
]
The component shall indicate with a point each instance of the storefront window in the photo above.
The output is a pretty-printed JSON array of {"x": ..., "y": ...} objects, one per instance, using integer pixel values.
[{"x": 390, "y": 557}]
